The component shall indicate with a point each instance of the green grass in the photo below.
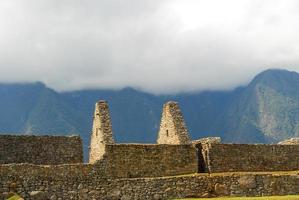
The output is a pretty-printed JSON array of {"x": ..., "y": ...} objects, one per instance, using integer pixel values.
[
  {"x": 292, "y": 197},
  {"x": 15, "y": 197}
]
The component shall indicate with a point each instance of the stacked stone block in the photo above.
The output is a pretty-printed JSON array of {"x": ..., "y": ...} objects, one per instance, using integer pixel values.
[
  {"x": 252, "y": 157},
  {"x": 151, "y": 160},
  {"x": 40, "y": 150},
  {"x": 101, "y": 132},
  {"x": 203, "y": 145},
  {"x": 173, "y": 129},
  {"x": 139, "y": 171},
  {"x": 83, "y": 182}
]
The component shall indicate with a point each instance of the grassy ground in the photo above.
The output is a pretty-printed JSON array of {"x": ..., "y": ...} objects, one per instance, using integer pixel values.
[
  {"x": 292, "y": 197},
  {"x": 15, "y": 197},
  {"x": 279, "y": 173}
]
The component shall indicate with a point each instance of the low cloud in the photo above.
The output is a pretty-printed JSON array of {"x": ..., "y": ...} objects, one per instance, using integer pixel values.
[{"x": 159, "y": 46}]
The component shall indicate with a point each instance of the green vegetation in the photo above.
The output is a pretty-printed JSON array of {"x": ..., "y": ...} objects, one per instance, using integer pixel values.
[
  {"x": 15, "y": 197},
  {"x": 292, "y": 197}
]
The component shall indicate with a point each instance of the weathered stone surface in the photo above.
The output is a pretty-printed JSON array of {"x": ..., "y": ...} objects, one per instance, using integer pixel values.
[
  {"x": 208, "y": 195},
  {"x": 115, "y": 194},
  {"x": 62, "y": 182},
  {"x": 53, "y": 197},
  {"x": 13, "y": 186},
  {"x": 251, "y": 157},
  {"x": 137, "y": 160},
  {"x": 203, "y": 145},
  {"x": 38, "y": 195},
  {"x": 125, "y": 197},
  {"x": 221, "y": 189},
  {"x": 157, "y": 197},
  {"x": 173, "y": 129},
  {"x": 47, "y": 150},
  {"x": 207, "y": 140},
  {"x": 80, "y": 187},
  {"x": 291, "y": 141},
  {"x": 101, "y": 132},
  {"x": 247, "y": 182}
]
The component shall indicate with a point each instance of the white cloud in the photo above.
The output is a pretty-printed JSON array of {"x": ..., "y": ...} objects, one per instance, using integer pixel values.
[{"x": 161, "y": 46}]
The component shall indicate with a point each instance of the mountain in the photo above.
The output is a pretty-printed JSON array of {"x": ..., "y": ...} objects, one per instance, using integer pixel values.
[
  {"x": 34, "y": 108},
  {"x": 264, "y": 111},
  {"x": 267, "y": 110}
]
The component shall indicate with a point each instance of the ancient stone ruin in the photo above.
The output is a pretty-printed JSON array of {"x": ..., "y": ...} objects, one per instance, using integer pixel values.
[
  {"x": 101, "y": 131},
  {"x": 173, "y": 129},
  {"x": 51, "y": 167}
]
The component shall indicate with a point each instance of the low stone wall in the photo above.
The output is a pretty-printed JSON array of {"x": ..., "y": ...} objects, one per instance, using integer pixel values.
[
  {"x": 40, "y": 149},
  {"x": 152, "y": 160},
  {"x": 251, "y": 157},
  {"x": 84, "y": 182}
]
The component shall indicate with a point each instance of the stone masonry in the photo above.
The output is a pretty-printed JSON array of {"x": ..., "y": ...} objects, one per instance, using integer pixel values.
[
  {"x": 139, "y": 160},
  {"x": 101, "y": 132},
  {"x": 252, "y": 157},
  {"x": 50, "y": 167},
  {"x": 46, "y": 150},
  {"x": 82, "y": 182},
  {"x": 173, "y": 129},
  {"x": 149, "y": 160},
  {"x": 203, "y": 146},
  {"x": 207, "y": 140}
]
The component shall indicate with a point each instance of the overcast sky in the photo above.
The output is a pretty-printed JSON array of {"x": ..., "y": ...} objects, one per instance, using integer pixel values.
[{"x": 159, "y": 46}]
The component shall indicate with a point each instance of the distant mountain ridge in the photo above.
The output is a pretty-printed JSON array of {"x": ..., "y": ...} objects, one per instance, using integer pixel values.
[{"x": 265, "y": 111}]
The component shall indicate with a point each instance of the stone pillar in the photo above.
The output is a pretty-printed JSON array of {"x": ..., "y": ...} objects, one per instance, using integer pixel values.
[
  {"x": 101, "y": 132},
  {"x": 173, "y": 129}
]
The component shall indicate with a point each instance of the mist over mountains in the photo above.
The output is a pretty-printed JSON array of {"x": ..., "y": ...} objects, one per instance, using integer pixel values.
[{"x": 265, "y": 111}]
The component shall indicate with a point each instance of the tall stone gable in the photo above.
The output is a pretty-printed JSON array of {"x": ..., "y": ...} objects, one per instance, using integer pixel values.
[
  {"x": 173, "y": 129},
  {"x": 101, "y": 131}
]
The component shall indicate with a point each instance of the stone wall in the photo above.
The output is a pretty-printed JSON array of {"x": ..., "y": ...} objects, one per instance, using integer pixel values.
[
  {"x": 202, "y": 145},
  {"x": 83, "y": 182},
  {"x": 136, "y": 160},
  {"x": 40, "y": 149},
  {"x": 101, "y": 131},
  {"x": 207, "y": 140},
  {"x": 173, "y": 128},
  {"x": 251, "y": 158},
  {"x": 291, "y": 141}
]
